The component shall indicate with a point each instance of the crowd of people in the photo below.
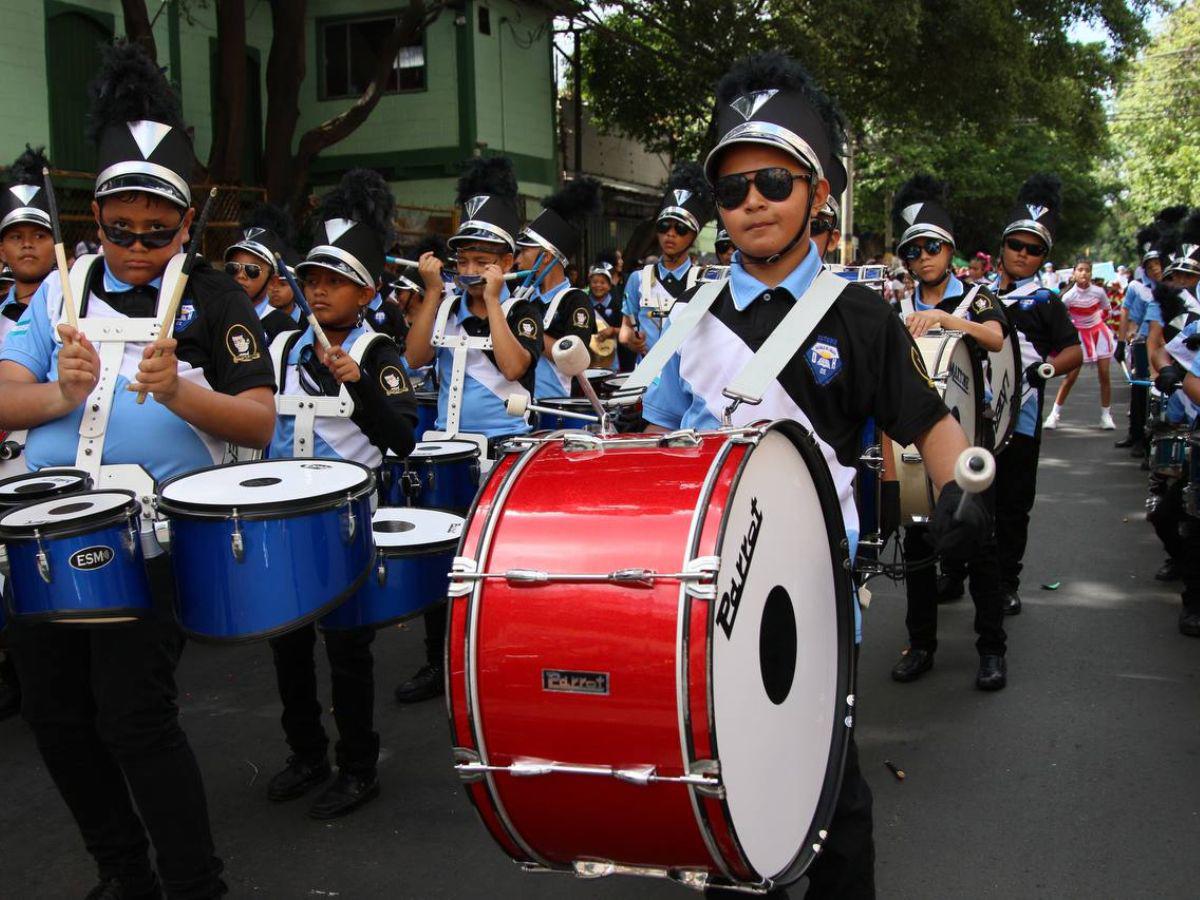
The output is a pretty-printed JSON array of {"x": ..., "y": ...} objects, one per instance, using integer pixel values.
[{"x": 456, "y": 328}]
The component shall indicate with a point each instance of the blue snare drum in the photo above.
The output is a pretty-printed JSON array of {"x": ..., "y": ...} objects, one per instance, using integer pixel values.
[
  {"x": 30, "y": 487},
  {"x": 1168, "y": 450},
  {"x": 414, "y": 550},
  {"x": 260, "y": 548},
  {"x": 427, "y": 408},
  {"x": 77, "y": 558},
  {"x": 436, "y": 475}
]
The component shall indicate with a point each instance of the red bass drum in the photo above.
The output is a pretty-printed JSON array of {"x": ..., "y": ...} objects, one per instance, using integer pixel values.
[{"x": 650, "y": 660}]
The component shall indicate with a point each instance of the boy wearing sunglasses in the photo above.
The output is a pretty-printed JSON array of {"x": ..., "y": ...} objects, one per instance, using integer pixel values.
[
  {"x": 825, "y": 230},
  {"x": 1046, "y": 334},
  {"x": 102, "y": 701},
  {"x": 251, "y": 263},
  {"x": 941, "y": 300},
  {"x": 651, "y": 291},
  {"x": 1133, "y": 327},
  {"x": 768, "y": 177}
]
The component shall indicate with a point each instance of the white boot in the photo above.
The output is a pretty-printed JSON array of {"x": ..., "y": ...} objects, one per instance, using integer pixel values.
[
  {"x": 1052, "y": 419},
  {"x": 1106, "y": 419}
]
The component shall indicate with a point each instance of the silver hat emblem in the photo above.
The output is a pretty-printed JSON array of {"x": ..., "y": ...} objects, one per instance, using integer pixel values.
[
  {"x": 335, "y": 228},
  {"x": 251, "y": 233},
  {"x": 474, "y": 205},
  {"x": 25, "y": 192},
  {"x": 682, "y": 196},
  {"x": 748, "y": 105},
  {"x": 1036, "y": 212},
  {"x": 148, "y": 135},
  {"x": 909, "y": 213}
]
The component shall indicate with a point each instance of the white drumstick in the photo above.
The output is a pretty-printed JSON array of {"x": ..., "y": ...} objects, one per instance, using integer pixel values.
[
  {"x": 571, "y": 356},
  {"x": 1046, "y": 370},
  {"x": 974, "y": 472}
]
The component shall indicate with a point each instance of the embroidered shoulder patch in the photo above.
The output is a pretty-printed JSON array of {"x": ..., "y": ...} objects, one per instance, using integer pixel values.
[
  {"x": 392, "y": 381},
  {"x": 581, "y": 318},
  {"x": 527, "y": 328},
  {"x": 824, "y": 359},
  {"x": 240, "y": 342},
  {"x": 981, "y": 305},
  {"x": 187, "y": 315}
]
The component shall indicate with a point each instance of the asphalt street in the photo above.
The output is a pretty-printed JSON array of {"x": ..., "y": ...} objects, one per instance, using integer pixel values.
[{"x": 1079, "y": 780}]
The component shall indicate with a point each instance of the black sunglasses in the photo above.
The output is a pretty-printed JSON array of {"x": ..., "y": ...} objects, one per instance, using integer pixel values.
[
  {"x": 252, "y": 270},
  {"x": 773, "y": 183},
  {"x": 665, "y": 225},
  {"x": 912, "y": 251},
  {"x": 151, "y": 240},
  {"x": 820, "y": 226},
  {"x": 1032, "y": 249}
]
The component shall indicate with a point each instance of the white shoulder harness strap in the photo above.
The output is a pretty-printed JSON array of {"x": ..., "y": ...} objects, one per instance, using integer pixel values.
[
  {"x": 787, "y": 338},
  {"x": 306, "y": 409},
  {"x": 963, "y": 308},
  {"x": 460, "y": 344},
  {"x": 682, "y": 324}
]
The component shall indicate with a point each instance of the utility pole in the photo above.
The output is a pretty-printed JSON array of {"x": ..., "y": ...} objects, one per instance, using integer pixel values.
[{"x": 578, "y": 91}]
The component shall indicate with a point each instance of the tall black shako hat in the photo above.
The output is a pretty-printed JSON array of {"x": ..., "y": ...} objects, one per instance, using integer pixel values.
[
  {"x": 1147, "y": 241},
  {"x": 24, "y": 199},
  {"x": 558, "y": 227},
  {"x": 919, "y": 210},
  {"x": 1167, "y": 222},
  {"x": 267, "y": 231},
  {"x": 355, "y": 228},
  {"x": 487, "y": 193},
  {"x": 686, "y": 198},
  {"x": 1038, "y": 203},
  {"x": 1187, "y": 260},
  {"x": 770, "y": 99},
  {"x": 137, "y": 126},
  {"x": 836, "y": 173}
]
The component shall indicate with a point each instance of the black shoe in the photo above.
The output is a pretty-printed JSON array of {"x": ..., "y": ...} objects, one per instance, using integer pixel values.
[
  {"x": 429, "y": 682},
  {"x": 347, "y": 793},
  {"x": 300, "y": 777},
  {"x": 116, "y": 889},
  {"x": 1125, "y": 443},
  {"x": 1189, "y": 623},
  {"x": 1012, "y": 603},
  {"x": 1168, "y": 571},
  {"x": 912, "y": 665},
  {"x": 10, "y": 700},
  {"x": 993, "y": 673},
  {"x": 949, "y": 589}
]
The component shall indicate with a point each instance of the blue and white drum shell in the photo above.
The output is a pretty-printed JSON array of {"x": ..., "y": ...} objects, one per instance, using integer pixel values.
[
  {"x": 427, "y": 407},
  {"x": 32, "y": 487},
  {"x": 77, "y": 558},
  {"x": 436, "y": 475},
  {"x": 260, "y": 548},
  {"x": 414, "y": 551}
]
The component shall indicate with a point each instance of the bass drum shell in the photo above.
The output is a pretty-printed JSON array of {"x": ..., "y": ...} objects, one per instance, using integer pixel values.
[
  {"x": 1005, "y": 381},
  {"x": 758, "y": 674}
]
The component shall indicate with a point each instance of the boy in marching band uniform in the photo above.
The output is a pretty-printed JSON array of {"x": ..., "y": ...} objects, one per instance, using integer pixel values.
[{"x": 101, "y": 701}]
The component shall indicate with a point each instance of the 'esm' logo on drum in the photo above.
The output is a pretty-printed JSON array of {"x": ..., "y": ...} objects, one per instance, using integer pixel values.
[
  {"x": 732, "y": 598},
  {"x": 90, "y": 558}
]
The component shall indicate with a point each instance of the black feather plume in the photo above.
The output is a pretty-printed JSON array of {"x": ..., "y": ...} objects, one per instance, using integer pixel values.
[
  {"x": 435, "y": 244},
  {"x": 27, "y": 168},
  {"x": 1042, "y": 189},
  {"x": 494, "y": 176},
  {"x": 578, "y": 199},
  {"x": 1170, "y": 301},
  {"x": 920, "y": 188},
  {"x": 1170, "y": 216},
  {"x": 1148, "y": 236},
  {"x": 1189, "y": 231},
  {"x": 274, "y": 219},
  {"x": 775, "y": 69},
  {"x": 130, "y": 88},
  {"x": 363, "y": 196}
]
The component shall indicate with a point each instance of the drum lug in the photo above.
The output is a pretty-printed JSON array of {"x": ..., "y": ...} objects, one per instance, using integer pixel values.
[
  {"x": 43, "y": 559},
  {"x": 432, "y": 477},
  {"x": 710, "y": 771},
  {"x": 461, "y": 566},
  {"x": 706, "y": 568},
  {"x": 872, "y": 457},
  {"x": 685, "y": 438},
  {"x": 581, "y": 442},
  {"x": 349, "y": 521},
  {"x": 476, "y": 472},
  {"x": 237, "y": 544},
  {"x": 465, "y": 761},
  {"x": 131, "y": 538},
  {"x": 381, "y": 573},
  {"x": 411, "y": 483}
]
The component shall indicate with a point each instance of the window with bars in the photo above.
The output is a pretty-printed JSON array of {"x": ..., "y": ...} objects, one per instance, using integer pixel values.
[{"x": 350, "y": 49}]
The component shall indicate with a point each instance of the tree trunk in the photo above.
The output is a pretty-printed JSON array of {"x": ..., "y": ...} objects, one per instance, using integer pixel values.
[
  {"x": 137, "y": 26},
  {"x": 285, "y": 72},
  {"x": 409, "y": 28},
  {"x": 229, "y": 114}
]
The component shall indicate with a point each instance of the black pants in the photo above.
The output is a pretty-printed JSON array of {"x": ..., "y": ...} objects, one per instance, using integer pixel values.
[
  {"x": 435, "y": 633},
  {"x": 921, "y": 588},
  {"x": 1165, "y": 513},
  {"x": 1016, "y": 488},
  {"x": 1189, "y": 569},
  {"x": 1180, "y": 535},
  {"x": 352, "y": 673},
  {"x": 101, "y": 703},
  {"x": 1139, "y": 398}
]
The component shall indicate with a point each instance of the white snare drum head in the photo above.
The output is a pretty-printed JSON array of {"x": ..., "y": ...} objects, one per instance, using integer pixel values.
[
  {"x": 775, "y": 655},
  {"x": 403, "y": 526},
  {"x": 267, "y": 481},
  {"x": 65, "y": 509},
  {"x": 427, "y": 449},
  {"x": 38, "y": 482}
]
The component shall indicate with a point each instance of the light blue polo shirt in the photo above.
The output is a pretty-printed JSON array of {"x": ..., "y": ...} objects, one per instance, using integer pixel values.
[{"x": 649, "y": 326}]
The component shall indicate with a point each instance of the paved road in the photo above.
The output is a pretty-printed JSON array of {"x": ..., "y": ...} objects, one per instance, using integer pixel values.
[{"x": 1079, "y": 780}]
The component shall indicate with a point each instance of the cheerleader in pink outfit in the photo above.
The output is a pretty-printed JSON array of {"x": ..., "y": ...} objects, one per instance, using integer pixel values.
[{"x": 1087, "y": 304}]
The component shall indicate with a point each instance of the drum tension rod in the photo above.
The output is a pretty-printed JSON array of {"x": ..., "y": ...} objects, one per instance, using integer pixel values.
[
  {"x": 703, "y": 569},
  {"x": 469, "y": 769}
]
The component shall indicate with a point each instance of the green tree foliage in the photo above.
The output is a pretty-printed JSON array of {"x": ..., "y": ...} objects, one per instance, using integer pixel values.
[
  {"x": 1156, "y": 126},
  {"x": 978, "y": 92}
]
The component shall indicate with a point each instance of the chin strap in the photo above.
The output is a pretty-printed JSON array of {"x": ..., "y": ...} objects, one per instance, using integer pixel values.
[
  {"x": 775, "y": 257},
  {"x": 943, "y": 277}
]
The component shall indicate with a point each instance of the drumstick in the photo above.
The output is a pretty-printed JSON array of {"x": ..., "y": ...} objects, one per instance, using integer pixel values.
[
  {"x": 401, "y": 261},
  {"x": 60, "y": 252},
  {"x": 302, "y": 302},
  {"x": 167, "y": 327}
]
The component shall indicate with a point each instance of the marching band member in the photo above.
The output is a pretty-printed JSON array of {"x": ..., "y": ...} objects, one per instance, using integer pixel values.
[
  {"x": 543, "y": 249},
  {"x": 940, "y": 300},
  {"x": 1086, "y": 304},
  {"x": 724, "y": 247},
  {"x": 606, "y": 310},
  {"x": 251, "y": 263},
  {"x": 767, "y": 174},
  {"x": 1185, "y": 348},
  {"x": 101, "y": 701},
  {"x": 1046, "y": 335},
  {"x": 651, "y": 291},
  {"x": 341, "y": 275},
  {"x": 826, "y": 232},
  {"x": 285, "y": 312},
  {"x": 1173, "y": 300},
  {"x": 472, "y": 392}
]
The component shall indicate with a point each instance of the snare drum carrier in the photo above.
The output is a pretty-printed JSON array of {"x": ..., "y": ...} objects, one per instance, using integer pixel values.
[{"x": 469, "y": 358}]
